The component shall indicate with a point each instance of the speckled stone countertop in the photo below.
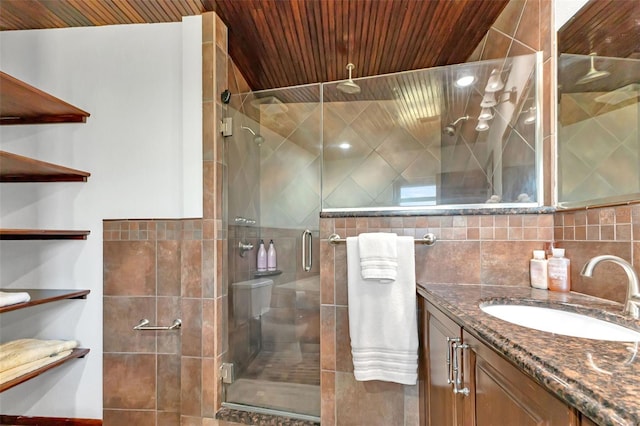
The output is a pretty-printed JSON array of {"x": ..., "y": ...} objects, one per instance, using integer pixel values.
[{"x": 600, "y": 379}]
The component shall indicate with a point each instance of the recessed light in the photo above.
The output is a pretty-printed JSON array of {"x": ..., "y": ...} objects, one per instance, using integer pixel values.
[
  {"x": 465, "y": 81},
  {"x": 344, "y": 145}
]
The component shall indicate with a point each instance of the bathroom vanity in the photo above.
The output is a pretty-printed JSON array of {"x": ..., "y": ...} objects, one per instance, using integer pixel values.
[{"x": 476, "y": 369}]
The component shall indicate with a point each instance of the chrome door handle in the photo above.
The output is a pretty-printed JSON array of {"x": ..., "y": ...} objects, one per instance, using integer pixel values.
[
  {"x": 143, "y": 325},
  {"x": 307, "y": 248},
  {"x": 457, "y": 381},
  {"x": 450, "y": 372}
]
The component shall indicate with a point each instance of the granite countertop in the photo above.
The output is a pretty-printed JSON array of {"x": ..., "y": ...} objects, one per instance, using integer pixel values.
[{"x": 600, "y": 379}]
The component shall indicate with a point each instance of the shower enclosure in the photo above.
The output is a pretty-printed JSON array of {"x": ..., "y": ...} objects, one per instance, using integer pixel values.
[
  {"x": 273, "y": 172},
  {"x": 447, "y": 137}
]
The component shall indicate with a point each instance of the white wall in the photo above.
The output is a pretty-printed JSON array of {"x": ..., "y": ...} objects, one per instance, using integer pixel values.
[{"x": 142, "y": 146}]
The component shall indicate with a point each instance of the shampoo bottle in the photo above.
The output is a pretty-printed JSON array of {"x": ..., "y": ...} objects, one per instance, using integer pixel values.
[
  {"x": 559, "y": 271},
  {"x": 271, "y": 257},
  {"x": 262, "y": 257},
  {"x": 538, "y": 270}
]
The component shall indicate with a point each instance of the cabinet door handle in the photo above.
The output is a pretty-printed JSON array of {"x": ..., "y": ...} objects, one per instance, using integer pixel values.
[
  {"x": 450, "y": 373},
  {"x": 456, "y": 368}
]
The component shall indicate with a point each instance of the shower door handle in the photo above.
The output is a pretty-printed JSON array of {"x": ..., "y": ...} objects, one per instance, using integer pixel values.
[{"x": 307, "y": 250}]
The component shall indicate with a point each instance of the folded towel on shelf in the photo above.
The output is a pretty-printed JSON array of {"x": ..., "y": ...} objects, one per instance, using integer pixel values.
[
  {"x": 378, "y": 256},
  {"x": 12, "y": 373},
  {"x": 12, "y": 298},
  {"x": 24, "y": 351},
  {"x": 382, "y": 319}
]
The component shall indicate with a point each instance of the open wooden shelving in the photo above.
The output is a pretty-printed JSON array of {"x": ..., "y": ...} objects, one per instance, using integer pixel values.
[
  {"x": 40, "y": 297},
  {"x": 75, "y": 353},
  {"x": 21, "y": 103},
  {"x": 42, "y": 234},
  {"x": 16, "y": 168}
]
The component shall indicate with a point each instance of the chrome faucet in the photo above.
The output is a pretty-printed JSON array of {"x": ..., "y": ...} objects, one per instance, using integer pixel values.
[{"x": 632, "y": 302}]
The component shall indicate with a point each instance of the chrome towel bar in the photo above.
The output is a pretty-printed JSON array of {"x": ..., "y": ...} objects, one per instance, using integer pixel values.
[
  {"x": 428, "y": 239},
  {"x": 143, "y": 326}
]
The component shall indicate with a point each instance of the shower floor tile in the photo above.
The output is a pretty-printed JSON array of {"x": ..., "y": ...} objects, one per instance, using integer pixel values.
[{"x": 290, "y": 367}]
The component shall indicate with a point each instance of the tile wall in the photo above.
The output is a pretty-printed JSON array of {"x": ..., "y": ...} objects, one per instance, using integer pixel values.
[
  {"x": 592, "y": 232},
  {"x": 476, "y": 250}
]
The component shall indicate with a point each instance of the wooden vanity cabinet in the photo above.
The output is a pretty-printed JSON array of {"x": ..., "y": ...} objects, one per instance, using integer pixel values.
[{"x": 491, "y": 390}]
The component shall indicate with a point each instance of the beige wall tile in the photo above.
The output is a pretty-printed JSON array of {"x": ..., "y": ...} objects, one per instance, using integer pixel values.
[
  {"x": 130, "y": 382},
  {"x": 129, "y": 268}
]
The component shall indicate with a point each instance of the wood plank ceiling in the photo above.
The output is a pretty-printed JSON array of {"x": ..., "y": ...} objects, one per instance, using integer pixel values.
[{"x": 278, "y": 43}]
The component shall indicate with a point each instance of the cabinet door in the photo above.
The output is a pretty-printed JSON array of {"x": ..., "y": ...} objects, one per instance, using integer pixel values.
[
  {"x": 506, "y": 396},
  {"x": 443, "y": 408}
]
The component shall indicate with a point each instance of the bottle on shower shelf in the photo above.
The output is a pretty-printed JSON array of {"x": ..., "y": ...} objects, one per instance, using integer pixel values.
[
  {"x": 271, "y": 257},
  {"x": 262, "y": 257}
]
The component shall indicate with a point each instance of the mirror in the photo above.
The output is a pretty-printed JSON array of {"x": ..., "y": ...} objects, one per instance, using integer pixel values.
[{"x": 598, "y": 102}]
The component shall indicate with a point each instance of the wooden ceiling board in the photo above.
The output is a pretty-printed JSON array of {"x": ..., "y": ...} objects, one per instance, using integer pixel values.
[
  {"x": 282, "y": 43},
  {"x": 606, "y": 27}
]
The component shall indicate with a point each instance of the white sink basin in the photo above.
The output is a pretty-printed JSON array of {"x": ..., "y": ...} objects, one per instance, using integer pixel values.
[{"x": 561, "y": 322}]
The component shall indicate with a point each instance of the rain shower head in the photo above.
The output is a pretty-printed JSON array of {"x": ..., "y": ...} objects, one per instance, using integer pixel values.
[
  {"x": 258, "y": 139},
  {"x": 349, "y": 86},
  {"x": 450, "y": 129},
  {"x": 593, "y": 73}
]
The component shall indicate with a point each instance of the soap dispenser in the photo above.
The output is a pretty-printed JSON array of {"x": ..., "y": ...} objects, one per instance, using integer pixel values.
[
  {"x": 271, "y": 257},
  {"x": 262, "y": 257},
  {"x": 538, "y": 270},
  {"x": 559, "y": 271}
]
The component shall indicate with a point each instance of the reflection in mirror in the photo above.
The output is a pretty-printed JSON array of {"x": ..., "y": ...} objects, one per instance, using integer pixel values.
[
  {"x": 448, "y": 137},
  {"x": 598, "y": 110}
]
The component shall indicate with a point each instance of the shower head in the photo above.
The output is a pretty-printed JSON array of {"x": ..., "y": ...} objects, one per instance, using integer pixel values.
[
  {"x": 593, "y": 73},
  {"x": 450, "y": 129},
  {"x": 258, "y": 139},
  {"x": 349, "y": 86}
]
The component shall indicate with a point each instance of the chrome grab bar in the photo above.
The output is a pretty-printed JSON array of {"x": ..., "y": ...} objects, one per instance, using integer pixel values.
[
  {"x": 428, "y": 239},
  {"x": 307, "y": 250},
  {"x": 143, "y": 325}
]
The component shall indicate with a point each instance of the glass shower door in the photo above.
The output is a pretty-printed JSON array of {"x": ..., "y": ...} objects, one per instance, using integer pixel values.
[{"x": 273, "y": 164}]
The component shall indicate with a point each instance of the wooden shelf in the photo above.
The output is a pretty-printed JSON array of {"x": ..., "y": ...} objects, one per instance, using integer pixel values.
[
  {"x": 16, "y": 168},
  {"x": 42, "y": 234},
  {"x": 39, "y": 297},
  {"x": 21, "y": 103},
  {"x": 76, "y": 353}
]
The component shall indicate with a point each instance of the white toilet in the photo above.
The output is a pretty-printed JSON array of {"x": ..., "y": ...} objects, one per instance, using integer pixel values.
[{"x": 251, "y": 298}]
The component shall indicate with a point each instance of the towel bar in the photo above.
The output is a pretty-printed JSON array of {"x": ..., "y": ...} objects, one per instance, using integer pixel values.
[
  {"x": 428, "y": 239},
  {"x": 143, "y": 325}
]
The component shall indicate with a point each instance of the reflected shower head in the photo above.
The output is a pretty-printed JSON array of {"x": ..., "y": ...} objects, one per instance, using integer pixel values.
[
  {"x": 593, "y": 74},
  {"x": 258, "y": 139},
  {"x": 450, "y": 129},
  {"x": 349, "y": 86}
]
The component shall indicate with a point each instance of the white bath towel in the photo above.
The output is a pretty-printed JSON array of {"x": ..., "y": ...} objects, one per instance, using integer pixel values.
[
  {"x": 378, "y": 256},
  {"x": 382, "y": 319},
  {"x": 12, "y": 298}
]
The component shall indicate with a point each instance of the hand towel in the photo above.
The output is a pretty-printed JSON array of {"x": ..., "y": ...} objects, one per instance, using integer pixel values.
[
  {"x": 378, "y": 256},
  {"x": 23, "y": 351},
  {"x": 383, "y": 323},
  {"x": 12, "y": 298}
]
